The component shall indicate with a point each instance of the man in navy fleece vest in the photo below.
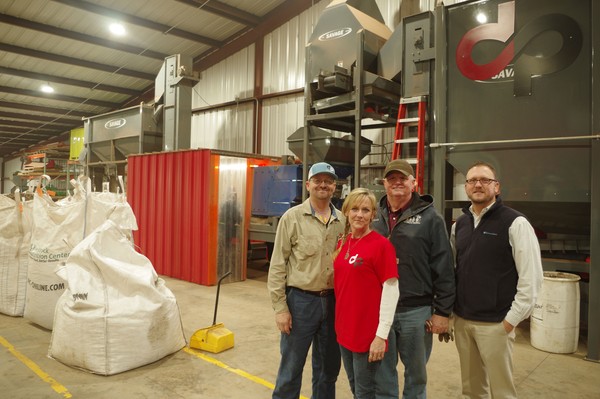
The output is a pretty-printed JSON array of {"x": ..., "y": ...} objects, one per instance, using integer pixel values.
[{"x": 498, "y": 276}]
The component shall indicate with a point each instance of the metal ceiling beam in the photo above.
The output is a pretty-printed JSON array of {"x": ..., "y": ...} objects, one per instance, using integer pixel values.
[
  {"x": 59, "y": 97},
  {"x": 82, "y": 37},
  {"x": 29, "y": 117},
  {"x": 225, "y": 11},
  {"x": 61, "y": 112},
  {"x": 238, "y": 41},
  {"x": 134, "y": 20},
  {"x": 11, "y": 146},
  {"x": 28, "y": 136},
  {"x": 277, "y": 17},
  {"x": 18, "y": 131},
  {"x": 10, "y": 151},
  {"x": 30, "y": 125},
  {"x": 146, "y": 96},
  {"x": 17, "y": 143},
  {"x": 62, "y": 59},
  {"x": 25, "y": 125},
  {"x": 68, "y": 81},
  {"x": 14, "y": 145},
  {"x": 31, "y": 138}
]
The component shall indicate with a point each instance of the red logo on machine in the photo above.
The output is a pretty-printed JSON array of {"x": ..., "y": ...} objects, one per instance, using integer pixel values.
[{"x": 526, "y": 63}]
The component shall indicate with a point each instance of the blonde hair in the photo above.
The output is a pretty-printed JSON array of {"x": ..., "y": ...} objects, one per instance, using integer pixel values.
[{"x": 356, "y": 196}]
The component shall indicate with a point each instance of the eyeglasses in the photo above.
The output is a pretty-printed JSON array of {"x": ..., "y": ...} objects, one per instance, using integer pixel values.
[
  {"x": 318, "y": 182},
  {"x": 484, "y": 181}
]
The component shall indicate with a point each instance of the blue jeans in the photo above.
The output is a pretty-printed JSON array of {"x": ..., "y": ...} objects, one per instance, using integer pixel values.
[
  {"x": 313, "y": 320},
  {"x": 414, "y": 346},
  {"x": 370, "y": 380}
]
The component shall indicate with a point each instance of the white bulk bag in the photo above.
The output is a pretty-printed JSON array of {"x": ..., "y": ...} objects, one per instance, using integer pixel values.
[
  {"x": 116, "y": 313},
  {"x": 103, "y": 205},
  {"x": 15, "y": 236},
  {"x": 58, "y": 227}
]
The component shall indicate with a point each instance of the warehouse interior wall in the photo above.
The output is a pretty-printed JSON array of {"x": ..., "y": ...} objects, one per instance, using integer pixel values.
[
  {"x": 10, "y": 167},
  {"x": 228, "y": 128},
  {"x": 224, "y": 100}
]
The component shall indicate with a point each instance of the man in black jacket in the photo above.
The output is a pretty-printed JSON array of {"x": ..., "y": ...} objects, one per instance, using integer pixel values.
[{"x": 425, "y": 268}]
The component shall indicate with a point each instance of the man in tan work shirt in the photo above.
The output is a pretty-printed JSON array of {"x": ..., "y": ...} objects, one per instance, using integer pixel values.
[{"x": 301, "y": 287}]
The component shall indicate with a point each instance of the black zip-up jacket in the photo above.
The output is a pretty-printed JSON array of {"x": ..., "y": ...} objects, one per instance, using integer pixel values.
[
  {"x": 425, "y": 264},
  {"x": 486, "y": 275}
]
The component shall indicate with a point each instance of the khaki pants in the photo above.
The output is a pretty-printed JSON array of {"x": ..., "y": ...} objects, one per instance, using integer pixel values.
[{"x": 485, "y": 352}]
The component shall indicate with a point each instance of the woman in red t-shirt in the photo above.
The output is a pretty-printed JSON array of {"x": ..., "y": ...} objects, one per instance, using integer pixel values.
[{"x": 366, "y": 291}]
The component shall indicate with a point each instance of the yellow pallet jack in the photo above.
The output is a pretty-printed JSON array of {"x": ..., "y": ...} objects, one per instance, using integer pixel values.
[{"x": 215, "y": 338}]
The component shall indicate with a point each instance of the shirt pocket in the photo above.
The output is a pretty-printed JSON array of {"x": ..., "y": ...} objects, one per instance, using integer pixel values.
[{"x": 308, "y": 247}]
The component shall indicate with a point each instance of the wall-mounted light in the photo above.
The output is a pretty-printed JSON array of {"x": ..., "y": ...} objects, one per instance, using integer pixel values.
[
  {"x": 46, "y": 88},
  {"x": 117, "y": 29},
  {"x": 481, "y": 18}
]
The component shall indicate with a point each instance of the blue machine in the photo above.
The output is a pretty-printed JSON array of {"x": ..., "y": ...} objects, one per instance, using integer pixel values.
[{"x": 276, "y": 189}]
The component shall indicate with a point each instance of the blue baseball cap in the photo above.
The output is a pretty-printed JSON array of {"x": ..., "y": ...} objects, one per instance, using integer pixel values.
[{"x": 321, "y": 167}]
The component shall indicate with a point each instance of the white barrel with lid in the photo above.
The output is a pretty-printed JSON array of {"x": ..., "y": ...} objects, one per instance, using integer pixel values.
[{"x": 555, "y": 317}]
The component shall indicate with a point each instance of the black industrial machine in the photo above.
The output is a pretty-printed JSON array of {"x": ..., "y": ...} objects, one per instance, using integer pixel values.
[
  {"x": 508, "y": 82},
  {"x": 514, "y": 86}
]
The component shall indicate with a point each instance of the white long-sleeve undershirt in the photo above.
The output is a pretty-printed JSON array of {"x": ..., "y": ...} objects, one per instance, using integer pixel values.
[{"x": 387, "y": 308}]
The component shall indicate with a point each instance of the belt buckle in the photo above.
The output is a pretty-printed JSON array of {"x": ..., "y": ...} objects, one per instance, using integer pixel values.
[{"x": 324, "y": 293}]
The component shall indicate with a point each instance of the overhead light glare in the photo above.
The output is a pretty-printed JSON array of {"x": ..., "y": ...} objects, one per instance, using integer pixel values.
[
  {"x": 117, "y": 29},
  {"x": 481, "y": 18},
  {"x": 47, "y": 88}
]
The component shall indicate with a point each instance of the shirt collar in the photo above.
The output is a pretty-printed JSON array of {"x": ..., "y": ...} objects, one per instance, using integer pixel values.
[
  {"x": 483, "y": 211},
  {"x": 401, "y": 210},
  {"x": 331, "y": 207}
]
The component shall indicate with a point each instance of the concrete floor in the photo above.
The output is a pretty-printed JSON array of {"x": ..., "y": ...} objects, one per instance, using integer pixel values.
[{"x": 249, "y": 369}]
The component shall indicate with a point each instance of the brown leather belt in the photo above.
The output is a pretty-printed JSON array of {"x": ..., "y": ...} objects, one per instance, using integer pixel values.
[{"x": 322, "y": 293}]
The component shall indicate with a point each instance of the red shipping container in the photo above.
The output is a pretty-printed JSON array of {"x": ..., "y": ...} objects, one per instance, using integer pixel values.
[{"x": 175, "y": 197}]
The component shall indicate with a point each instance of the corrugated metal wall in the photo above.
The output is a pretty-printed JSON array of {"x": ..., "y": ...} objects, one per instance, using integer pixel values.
[
  {"x": 225, "y": 128},
  {"x": 10, "y": 167},
  {"x": 174, "y": 198},
  {"x": 284, "y": 51},
  {"x": 192, "y": 212},
  {"x": 228, "y": 128},
  {"x": 390, "y": 10},
  {"x": 284, "y": 62},
  {"x": 281, "y": 117},
  {"x": 229, "y": 79}
]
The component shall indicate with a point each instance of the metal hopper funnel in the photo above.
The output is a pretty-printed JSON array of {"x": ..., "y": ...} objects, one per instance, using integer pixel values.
[
  {"x": 334, "y": 39},
  {"x": 322, "y": 146}
]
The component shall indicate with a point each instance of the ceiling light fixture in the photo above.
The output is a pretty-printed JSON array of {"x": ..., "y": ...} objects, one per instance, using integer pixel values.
[
  {"x": 46, "y": 88},
  {"x": 117, "y": 29}
]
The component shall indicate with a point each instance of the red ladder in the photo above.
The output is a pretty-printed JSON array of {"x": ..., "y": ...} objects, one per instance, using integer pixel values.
[{"x": 399, "y": 136}]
